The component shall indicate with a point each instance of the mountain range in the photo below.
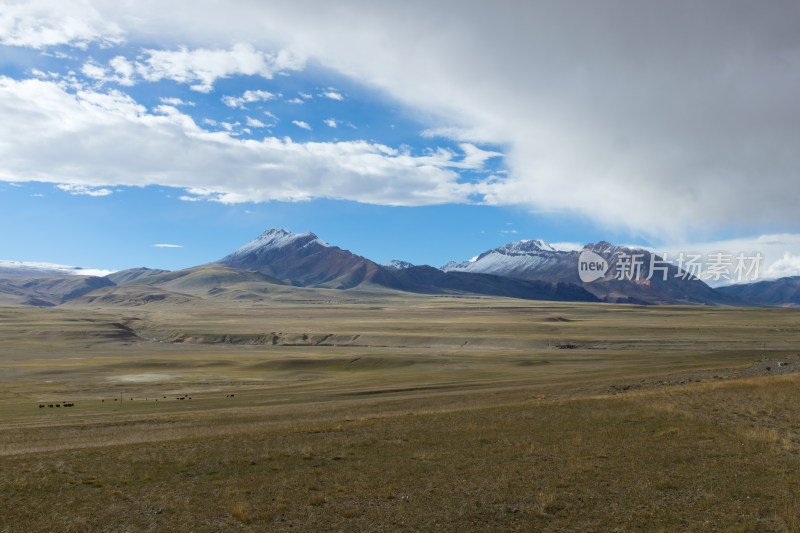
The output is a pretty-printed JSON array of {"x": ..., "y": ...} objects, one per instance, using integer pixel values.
[{"x": 281, "y": 259}]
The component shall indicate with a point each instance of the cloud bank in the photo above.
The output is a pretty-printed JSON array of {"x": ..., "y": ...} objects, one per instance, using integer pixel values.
[
  {"x": 663, "y": 118},
  {"x": 86, "y": 140}
]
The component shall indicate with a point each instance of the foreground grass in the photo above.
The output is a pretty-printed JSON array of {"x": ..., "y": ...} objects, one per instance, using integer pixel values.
[
  {"x": 398, "y": 413},
  {"x": 688, "y": 458}
]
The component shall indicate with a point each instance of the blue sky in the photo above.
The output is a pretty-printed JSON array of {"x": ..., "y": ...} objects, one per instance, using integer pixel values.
[{"x": 166, "y": 134}]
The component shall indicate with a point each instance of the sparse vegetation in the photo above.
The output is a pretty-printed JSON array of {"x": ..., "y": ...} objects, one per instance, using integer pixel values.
[{"x": 440, "y": 413}]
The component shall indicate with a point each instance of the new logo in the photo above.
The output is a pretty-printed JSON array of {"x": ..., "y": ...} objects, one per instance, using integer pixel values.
[{"x": 591, "y": 266}]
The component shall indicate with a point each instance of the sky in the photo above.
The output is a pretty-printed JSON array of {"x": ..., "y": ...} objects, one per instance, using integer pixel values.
[{"x": 166, "y": 134}]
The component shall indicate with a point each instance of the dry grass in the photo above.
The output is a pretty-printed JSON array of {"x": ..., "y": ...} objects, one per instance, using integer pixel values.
[
  {"x": 463, "y": 415},
  {"x": 584, "y": 464}
]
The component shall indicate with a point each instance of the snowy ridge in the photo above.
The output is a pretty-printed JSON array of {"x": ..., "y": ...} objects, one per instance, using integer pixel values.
[
  {"x": 23, "y": 268},
  {"x": 275, "y": 239},
  {"x": 397, "y": 264},
  {"x": 517, "y": 256}
]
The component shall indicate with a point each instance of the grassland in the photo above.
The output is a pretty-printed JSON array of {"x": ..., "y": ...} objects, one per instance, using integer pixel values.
[{"x": 321, "y": 410}]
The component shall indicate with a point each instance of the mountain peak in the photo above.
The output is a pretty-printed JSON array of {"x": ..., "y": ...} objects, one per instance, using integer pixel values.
[
  {"x": 397, "y": 264},
  {"x": 519, "y": 256},
  {"x": 525, "y": 247},
  {"x": 275, "y": 239}
]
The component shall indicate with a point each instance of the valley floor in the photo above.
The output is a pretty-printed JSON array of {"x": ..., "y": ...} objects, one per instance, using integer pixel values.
[{"x": 392, "y": 412}]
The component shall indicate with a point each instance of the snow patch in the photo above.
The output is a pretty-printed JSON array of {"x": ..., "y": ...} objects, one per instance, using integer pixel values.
[
  {"x": 275, "y": 239},
  {"x": 397, "y": 264},
  {"x": 520, "y": 256},
  {"x": 35, "y": 268}
]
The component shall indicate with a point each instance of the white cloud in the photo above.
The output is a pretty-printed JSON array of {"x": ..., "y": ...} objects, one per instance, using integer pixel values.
[
  {"x": 331, "y": 122},
  {"x": 176, "y": 102},
  {"x": 83, "y": 190},
  {"x": 333, "y": 95},
  {"x": 93, "y": 70},
  {"x": 255, "y": 123},
  {"x": 168, "y": 245},
  {"x": 788, "y": 265},
  {"x": 202, "y": 67},
  {"x": 301, "y": 124},
  {"x": 779, "y": 254},
  {"x": 665, "y": 129},
  {"x": 473, "y": 134},
  {"x": 227, "y": 126},
  {"x": 40, "y": 24},
  {"x": 55, "y": 268},
  {"x": 474, "y": 157},
  {"x": 247, "y": 98},
  {"x": 97, "y": 140},
  {"x": 295, "y": 101},
  {"x": 120, "y": 71}
]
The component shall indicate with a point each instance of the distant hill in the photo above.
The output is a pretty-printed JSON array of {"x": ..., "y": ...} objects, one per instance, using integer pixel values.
[
  {"x": 426, "y": 279},
  {"x": 783, "y": 292},
  {"x": 278, "y": 259},
  {"x": 302, "y": 259},
  {"x": 536, "y": 260},
  {"x": 129, "y": 295},
  {"x": 305, "y": 260},
  {"x": 49, "y": 290},
  {"x": 133, "y": 274}
]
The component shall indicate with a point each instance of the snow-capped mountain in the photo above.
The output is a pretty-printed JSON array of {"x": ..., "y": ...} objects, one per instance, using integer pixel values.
[
  {"x": 20, "y": 268},
  {"x": 529, "y": 269},
  {"x": 275, "y": 239},
  {"x": 397, "y": 264},
  {"x": 305, "y": 260},
  {"x": 516, "y": 259},
  {"x": 302, "y": 259},
  {"x": 537, "y": 260}
]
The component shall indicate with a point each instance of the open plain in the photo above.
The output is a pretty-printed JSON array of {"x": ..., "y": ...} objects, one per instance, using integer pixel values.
[{"x": 319, "y": 409}]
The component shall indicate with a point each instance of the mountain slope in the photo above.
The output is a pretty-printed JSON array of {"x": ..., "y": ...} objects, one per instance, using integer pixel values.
[
  {"x": 130, "y": 275},
  {"x": 303, "y": 260},
  {"x": 536, "y": 260},
  {"x": 129, "y": 295},
  {"x": 49, "y": 290},
  {"x": 426, "y": 279},
  {"x": 215, "y": 281},
  {"x": 783, "y": 292}
]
